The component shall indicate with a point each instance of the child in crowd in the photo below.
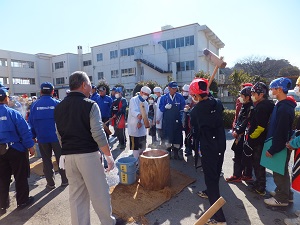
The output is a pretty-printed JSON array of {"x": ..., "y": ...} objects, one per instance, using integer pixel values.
[{"x": 152, "y": 119}]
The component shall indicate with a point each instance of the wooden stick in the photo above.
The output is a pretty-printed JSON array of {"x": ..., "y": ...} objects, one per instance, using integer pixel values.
[
  {"x": 211, "y": 211},
  {"x": 213, "y": 76},
  {"x": 144, "y": 115}
]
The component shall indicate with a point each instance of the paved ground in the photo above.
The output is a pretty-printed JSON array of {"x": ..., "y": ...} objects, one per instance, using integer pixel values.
[{"x": 242, "y": 208}]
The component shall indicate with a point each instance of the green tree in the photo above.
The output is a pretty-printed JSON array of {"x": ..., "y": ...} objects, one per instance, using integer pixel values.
[
  {"x": 214, "y": 85},
  {"x": 238, "y": 77},
  {"x": 151, "y": 84}
]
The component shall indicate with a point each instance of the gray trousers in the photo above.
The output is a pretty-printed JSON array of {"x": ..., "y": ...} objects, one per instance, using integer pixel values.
[
  {"x": 46, "y": 153},
  {"x": 87, "y": 182},
  {"x": 283, "y": 183}
]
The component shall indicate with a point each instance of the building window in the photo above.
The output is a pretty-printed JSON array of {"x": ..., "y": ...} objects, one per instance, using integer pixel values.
[
  {"x": 3, "y": 62},
  {"x": 60, "y": 80},
  {"x": 179, "y": 42},
  {"x": 113, "y": 54},
  {"x": 59, "y": 65},
  {"x": 114, "y": 73},
  {"x": 99, "y": 57},
  {"x": 127, "y": 51},
  {"x": 23, "y": 80},
  {"x": 4, "y": 80},
  {"x": 171, "y": 44},
  {"x": 87, "y": 63},
  {"x": 123, "y": 52},
  {"x": 163, "y": 43},
  {"x": 91, "y": 78},
  {"x": 100, "y": 75},
  {"x": 184, "y": 66},
  {"x": 128, "y": 72},
  {"x": 189, "y": 40},
  {"x": 22, "y": 64}
]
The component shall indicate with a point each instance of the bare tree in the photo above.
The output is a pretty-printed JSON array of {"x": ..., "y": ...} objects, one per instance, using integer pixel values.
[{"x": 262, "y": 66}]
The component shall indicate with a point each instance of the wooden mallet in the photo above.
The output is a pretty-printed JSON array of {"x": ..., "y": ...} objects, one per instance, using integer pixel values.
[
  {"x": 218, "y": 62},
  {"x": 211, "y": 211}
]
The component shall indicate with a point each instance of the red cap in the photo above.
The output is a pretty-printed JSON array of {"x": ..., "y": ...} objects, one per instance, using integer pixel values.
[{"x": 247, "y": 85}]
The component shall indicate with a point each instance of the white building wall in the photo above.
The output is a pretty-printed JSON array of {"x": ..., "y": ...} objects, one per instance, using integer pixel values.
[{"x": 146, "y": 47}]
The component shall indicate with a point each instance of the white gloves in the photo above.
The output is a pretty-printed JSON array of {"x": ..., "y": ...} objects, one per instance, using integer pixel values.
[
  {"x": 110, "y": 163},
  {"x": 61, "y": 163},
  {"x": 185, "y": 109},
  {"x": 168, "y": 106}
]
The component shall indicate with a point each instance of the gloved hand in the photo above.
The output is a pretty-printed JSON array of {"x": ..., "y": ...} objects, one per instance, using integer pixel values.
[
  {"x": 168, "y": 106},
  {"x": 185, "y": 109},
  {"x": 110, "y": 163},
  {"x": 62, "y": 160}
]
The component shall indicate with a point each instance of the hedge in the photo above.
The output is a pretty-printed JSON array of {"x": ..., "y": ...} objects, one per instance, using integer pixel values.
[{"x": 229, "y": 116}]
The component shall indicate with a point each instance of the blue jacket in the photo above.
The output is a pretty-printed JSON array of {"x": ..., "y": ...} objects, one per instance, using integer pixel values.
[
  {"x": 104, "y": 103},
  {"x": 178, "y": 102},
  {"x": 14, "y": 130},
  {"x": 95, "y": 96},
  {"x": 41, "y": 119}
]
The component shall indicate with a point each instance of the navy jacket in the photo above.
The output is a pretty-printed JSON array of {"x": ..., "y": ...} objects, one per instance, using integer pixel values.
[
  {"x": 14, "y": 130},
  {"x": 281, "y": 124},
  {"x": 41, "y": 119}
]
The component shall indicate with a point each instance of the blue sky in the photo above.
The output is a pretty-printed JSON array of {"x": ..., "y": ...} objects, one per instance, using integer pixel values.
[{"x": 262, "y": 28}]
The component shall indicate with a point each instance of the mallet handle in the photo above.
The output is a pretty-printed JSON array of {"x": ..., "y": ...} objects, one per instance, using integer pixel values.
[{"x": 211, "y": 211}]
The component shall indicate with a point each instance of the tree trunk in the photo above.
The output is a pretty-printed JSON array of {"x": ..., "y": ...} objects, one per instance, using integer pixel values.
[{"x": 155, "y": 170}]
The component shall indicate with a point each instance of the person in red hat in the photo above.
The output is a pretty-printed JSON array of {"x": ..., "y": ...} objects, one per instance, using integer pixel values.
[{"x": 207, "y": 122}]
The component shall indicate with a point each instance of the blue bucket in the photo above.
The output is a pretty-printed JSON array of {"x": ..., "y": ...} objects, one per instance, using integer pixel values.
[{"x": 127, "y": 170}]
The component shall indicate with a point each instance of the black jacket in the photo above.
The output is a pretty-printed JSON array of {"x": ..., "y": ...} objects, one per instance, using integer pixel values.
[
  {"x": 207, "y": 121},
  {"x": 243, "y": 118},
  {"x": 260, "y": 116}
]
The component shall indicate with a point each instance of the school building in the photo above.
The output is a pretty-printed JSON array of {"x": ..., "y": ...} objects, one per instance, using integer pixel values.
[{"x": 174, "y": 52}]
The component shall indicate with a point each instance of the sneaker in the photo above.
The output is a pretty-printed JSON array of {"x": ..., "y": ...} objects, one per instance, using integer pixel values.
[
  {"x": 297, "y": 213},
  {"x": 294, "y": 221},
  {"x": 202, "y": 194},
  {"x": 64, "y": 184},
  {"x": 29, "y": 202},
  {"x": 273, "y": 202},
  {"x": 234, "y": 179},
  {"x": 260, "y": 191},
  {"x": 246, "y": 178},
  {"x": 214, "y": 222},
  {"x": 50, "y": 187},
  {"x": 291, "y": 198}
]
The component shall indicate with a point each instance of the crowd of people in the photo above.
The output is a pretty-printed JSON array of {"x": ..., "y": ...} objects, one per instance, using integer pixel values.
[{"x": 76, "y": 128}]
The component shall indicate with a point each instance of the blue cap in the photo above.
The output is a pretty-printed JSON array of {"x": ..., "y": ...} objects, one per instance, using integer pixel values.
[
  {"x": 2, "y": 86},
  {"x": 113, "y": 89},
  {"x": 281, "y": 82},
  {"x": 3, "y": 92},
  {"x": 47, "y": 86},
  {"x": 94, "y": 87},
  {"x": 119, "y": 89},
  {"x": 173, "y": 84}
]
